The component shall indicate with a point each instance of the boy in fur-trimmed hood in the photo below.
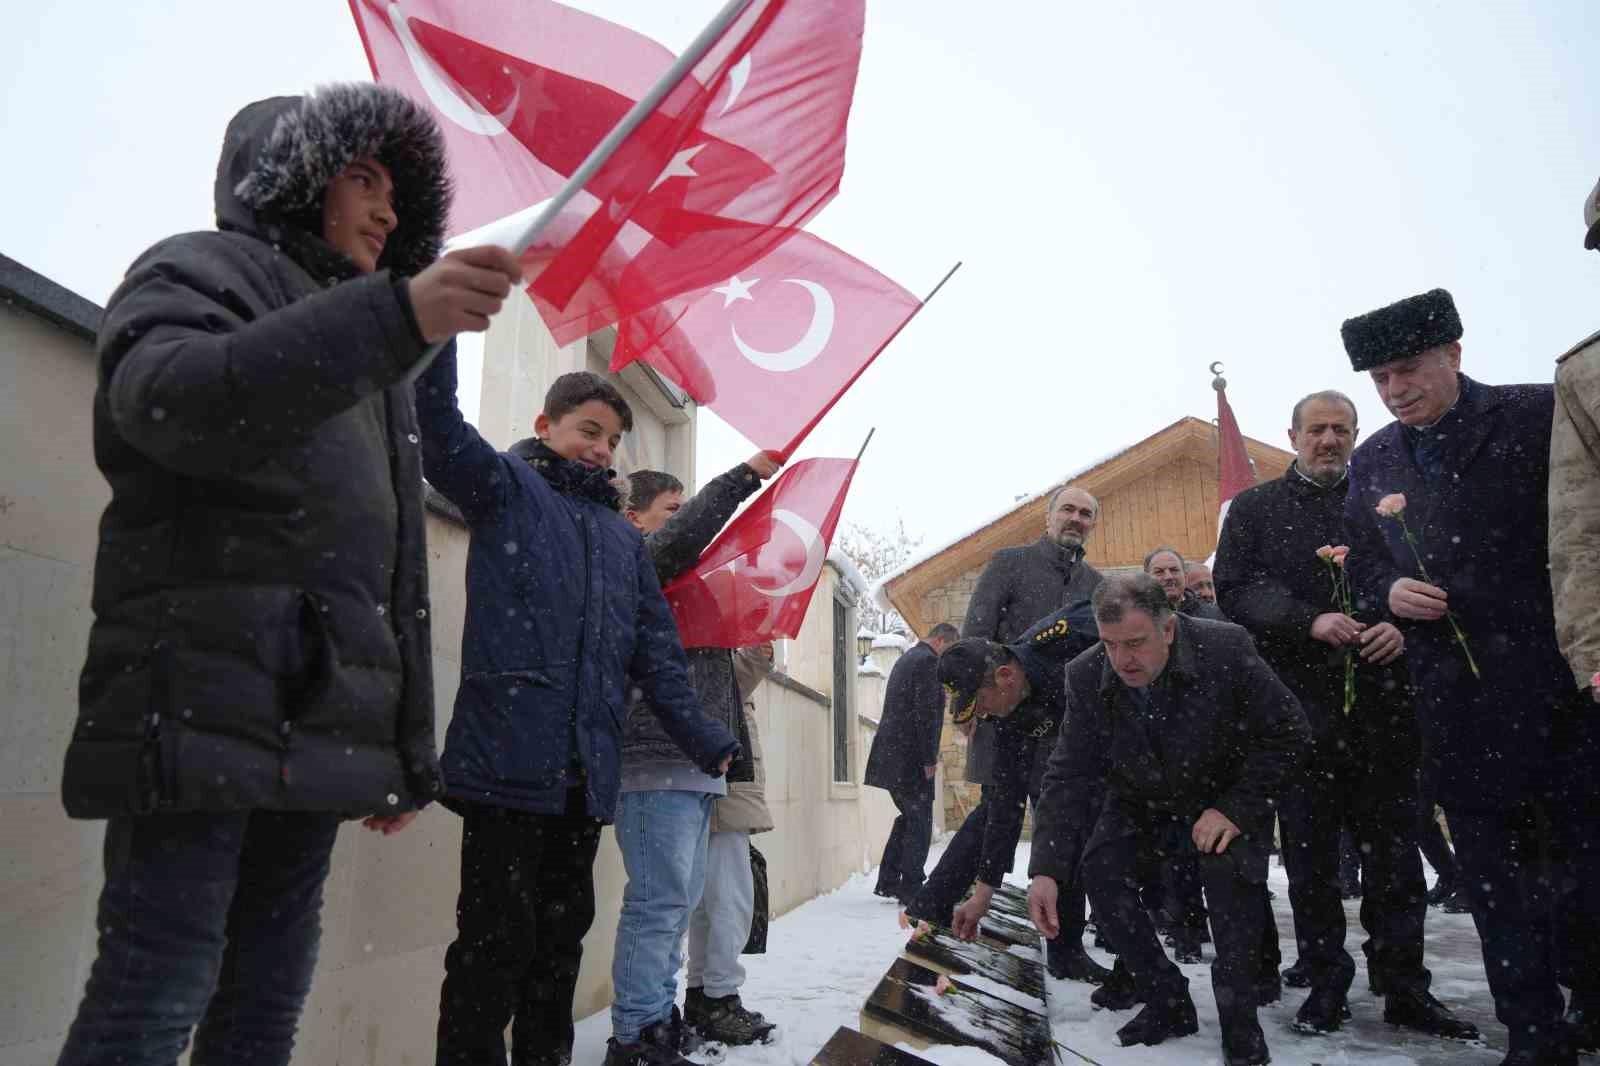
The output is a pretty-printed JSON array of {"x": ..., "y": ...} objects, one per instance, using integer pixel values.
[{"x": 258, "y": 668}]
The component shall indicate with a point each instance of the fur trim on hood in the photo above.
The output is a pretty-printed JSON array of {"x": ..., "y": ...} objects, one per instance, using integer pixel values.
[{"x": 280, "y": 155}]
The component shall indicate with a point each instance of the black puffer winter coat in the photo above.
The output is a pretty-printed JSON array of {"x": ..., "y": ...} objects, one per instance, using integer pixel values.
[{"x": 261, "y": 633}]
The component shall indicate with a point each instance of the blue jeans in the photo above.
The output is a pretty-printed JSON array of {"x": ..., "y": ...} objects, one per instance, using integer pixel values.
[
  {"x": 205, "y": 919},
  {"x": 663, "y": 837}
]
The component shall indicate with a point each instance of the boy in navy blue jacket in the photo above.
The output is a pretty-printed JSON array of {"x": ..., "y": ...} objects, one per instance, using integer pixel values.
[{"x": 563, "y": 610}]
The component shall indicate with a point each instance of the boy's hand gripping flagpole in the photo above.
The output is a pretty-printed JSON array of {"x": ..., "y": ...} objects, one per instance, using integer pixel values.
[{"x": 606, "y": 148}]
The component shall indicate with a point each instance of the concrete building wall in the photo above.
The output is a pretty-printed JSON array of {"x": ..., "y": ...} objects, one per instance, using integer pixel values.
[{"x": 389, "y": 903}]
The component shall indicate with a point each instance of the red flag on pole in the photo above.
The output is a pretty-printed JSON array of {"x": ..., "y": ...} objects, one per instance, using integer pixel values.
[
  {"x": 755, "y": 581},
  {"x": 772, "y": 347},
  {"x": 744, "y": 150},
  {"x": 1234, "y": 470}
]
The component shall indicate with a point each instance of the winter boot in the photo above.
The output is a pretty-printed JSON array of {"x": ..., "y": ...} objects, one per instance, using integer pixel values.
[
  {"x": 657, "y": 1046},
  {"x": 1244, "y": 1044},
  {"x": 725, "y": 1020},
  {"x": 1069, "y": 962},
  {"x": 1298, "y": 975},
  {"x": 1172, "y": 1016},
  {"x": 1324, "y": 1011},
  {"x": 1117, "y": 992},
  {"x": 1413, "y": 1009}
]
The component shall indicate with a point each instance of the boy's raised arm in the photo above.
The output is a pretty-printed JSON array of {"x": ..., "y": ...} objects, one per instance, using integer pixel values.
[
  {"x": 662, "y": 673},
  {"x": 456, "y": 459},
  {"x": 196, "y": 378}
]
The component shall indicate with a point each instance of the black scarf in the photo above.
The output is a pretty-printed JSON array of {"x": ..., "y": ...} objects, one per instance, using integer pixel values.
[{"x": 568, "y": 476}]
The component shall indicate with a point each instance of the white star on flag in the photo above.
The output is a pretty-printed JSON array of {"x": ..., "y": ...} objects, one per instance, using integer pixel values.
[
  {"x": 736, "y": 290},
  {"x": 679, "y": 166}
]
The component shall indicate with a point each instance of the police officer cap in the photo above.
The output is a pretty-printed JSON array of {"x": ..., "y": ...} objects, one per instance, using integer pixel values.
[
  {"x": 963, "y": 668},
  {"x": 1401, "y": 330}
]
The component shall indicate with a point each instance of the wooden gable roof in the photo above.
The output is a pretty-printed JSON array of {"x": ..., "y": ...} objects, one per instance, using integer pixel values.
[{"x": 1161, "y": 490}]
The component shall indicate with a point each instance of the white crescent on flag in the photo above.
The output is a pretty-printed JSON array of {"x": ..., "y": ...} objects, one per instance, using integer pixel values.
[
  {"x": 811, "y": 343},
  {"x": 811, "y": 537},
  {"x": 736, "y": 80},
  {"x": 446, "y": 100}
]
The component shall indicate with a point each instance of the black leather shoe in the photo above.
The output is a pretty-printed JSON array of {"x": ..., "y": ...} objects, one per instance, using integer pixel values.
[
  {"x": 1186, "y": 949},
  {"x": 1546, "y": 1057},
  {"x": 1071, "y": 963},
  {"x": 1442, "y": 890},
  {"x": 1246, "y": 1046},
  {"x": 1420, "y": 1011},
  {"x": 1161, "y": 1021},
  {"x": 1456, "y": 903},
  {"x": 1298, "y": 975},
  {"x": 1117, "y": 992},
  {"x": 1324, "y": 1011}
]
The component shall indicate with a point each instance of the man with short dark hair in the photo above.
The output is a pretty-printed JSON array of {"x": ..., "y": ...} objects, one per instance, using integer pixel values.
[
  {"x": 905, "y": 759},
  {"x": 1177, "y": 738},
  {"x": 1362, "y": 770},
  {"x": 1459, "y": 557}
]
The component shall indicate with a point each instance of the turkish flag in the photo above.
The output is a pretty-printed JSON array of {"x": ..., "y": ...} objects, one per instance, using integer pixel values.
[
  {"x": 748, "y": 146},
  {"x": 755, "y": 581},
  {"x": 1235, "y": 472},
  {"x": 772, "y": 347}
]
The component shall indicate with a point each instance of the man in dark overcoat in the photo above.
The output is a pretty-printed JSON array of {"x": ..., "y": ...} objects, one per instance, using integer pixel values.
[
  {"x": 1178, "y": 736},
  {"x": 1019, "y": 587},
  {"x": 1362, "y": 770},
  {"x": 905, "y": 758},
  {"x": 1460, "y": 558}
]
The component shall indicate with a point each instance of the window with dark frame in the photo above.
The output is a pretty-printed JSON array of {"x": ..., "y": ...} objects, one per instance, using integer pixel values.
[{"x": 843, "y": 661}]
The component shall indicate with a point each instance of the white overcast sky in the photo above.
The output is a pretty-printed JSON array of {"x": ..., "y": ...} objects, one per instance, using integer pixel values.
[{"x": 1136, "y": 190}]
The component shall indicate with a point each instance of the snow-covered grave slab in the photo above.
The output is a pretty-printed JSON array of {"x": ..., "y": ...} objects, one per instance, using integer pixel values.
[
  {"x": 846, "y": 1047},
  {"x": 1010, "y": 931},
  {"x": 938, "y": 950},
  {"x": 1010, "y": 901},
  {"x": 914, "y": 1005}
]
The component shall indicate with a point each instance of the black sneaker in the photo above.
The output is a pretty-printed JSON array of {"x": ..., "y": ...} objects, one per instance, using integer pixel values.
[
  {"x": 1159, "y": 1022},
  {"x": 1420, "y": 1011},
  {"x": 657, "y": 1046},
  {"x": 725, "y": 1020},
  {"x": 1118, "y": 992}
]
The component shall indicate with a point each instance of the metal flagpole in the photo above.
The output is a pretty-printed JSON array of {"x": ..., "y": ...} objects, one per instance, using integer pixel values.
[
  {"x": 864, "y": 444},
  {"x": 602, "y": 152}
]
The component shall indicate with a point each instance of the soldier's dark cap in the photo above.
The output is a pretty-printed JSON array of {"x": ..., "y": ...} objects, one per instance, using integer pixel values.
[
  {"x": 1401, "y": 330},
  {"x": 963, "y": 668}
]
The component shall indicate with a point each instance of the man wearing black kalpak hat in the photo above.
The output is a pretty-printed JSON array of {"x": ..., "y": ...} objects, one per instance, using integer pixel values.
[
  {"x": 1019, "y": 686},
  {"x": 1459, "y": 559}
]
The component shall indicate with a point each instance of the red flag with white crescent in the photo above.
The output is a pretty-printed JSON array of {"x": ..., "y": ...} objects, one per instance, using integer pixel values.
[
  {"x": 772, "y": 347},
  {"x": 1234, "y": 470},
  {"x": 754, "y": 583},
  {"x": 748, "y": 148}
]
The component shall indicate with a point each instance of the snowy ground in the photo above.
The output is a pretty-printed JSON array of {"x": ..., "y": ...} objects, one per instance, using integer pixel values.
[{"x": 825, "y": 957}]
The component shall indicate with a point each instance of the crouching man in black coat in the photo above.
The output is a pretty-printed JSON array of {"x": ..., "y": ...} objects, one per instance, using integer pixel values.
[{"x": 1178, "y": 736}]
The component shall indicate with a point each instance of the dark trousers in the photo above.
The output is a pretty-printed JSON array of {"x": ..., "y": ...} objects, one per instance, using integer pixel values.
[
  {"x": 1532, "y": 876},
  {"x": 1378, "y": 806},
  {"x": 208, "y": 920},
  {"x": 1185, "y": 899},
  {"x": 958, "y": 868},
  {"x": 900, "y": 873},
  {"x": 1349, "y": 861},
  {"x": 527, "y": 899},
  {"x": 1112, "y": 872},
  {"x": 1430, "y": 837}
]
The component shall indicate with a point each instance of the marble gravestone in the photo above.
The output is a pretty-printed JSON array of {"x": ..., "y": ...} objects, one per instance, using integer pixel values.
[
  {"x": 907, "y": 1008},
  {"x": 846, "y": 1047},
  {"x": 940, "y": 951}
]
